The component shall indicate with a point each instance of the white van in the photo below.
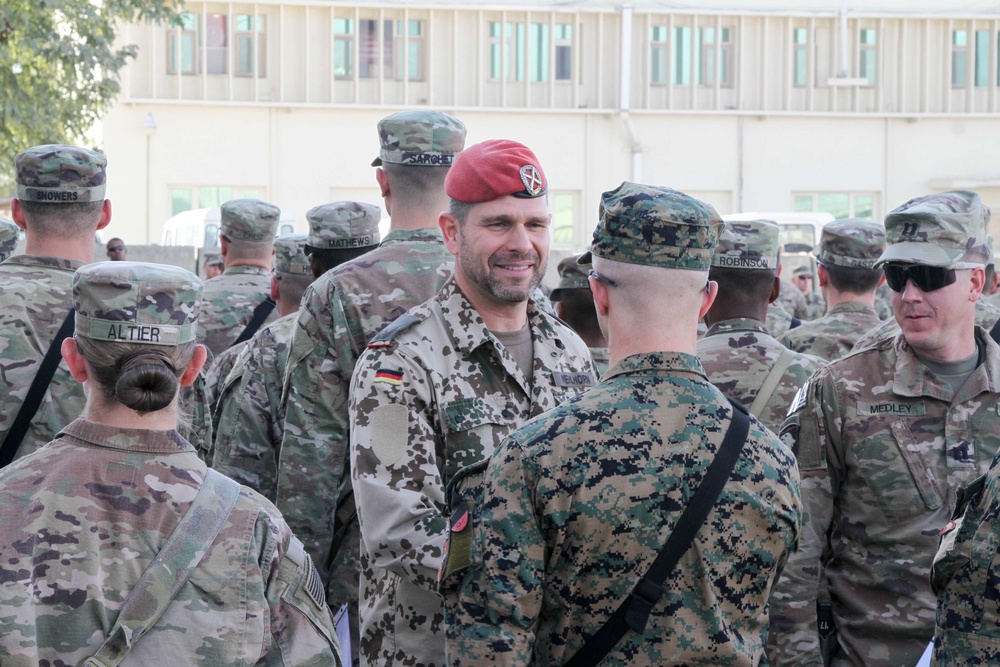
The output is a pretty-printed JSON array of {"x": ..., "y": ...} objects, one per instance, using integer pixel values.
[{"x": 200, "y": 227}]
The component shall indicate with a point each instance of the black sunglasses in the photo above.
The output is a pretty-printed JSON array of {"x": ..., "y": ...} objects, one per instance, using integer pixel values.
[
  {"x": 926, "y": 278},
  {"x": 115, "y": 248}
]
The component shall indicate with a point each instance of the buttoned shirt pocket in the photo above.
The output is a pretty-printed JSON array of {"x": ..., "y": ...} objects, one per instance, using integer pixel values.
[
  {"x": 894, "y": 464},
  {"x": 474, "y": 427}
]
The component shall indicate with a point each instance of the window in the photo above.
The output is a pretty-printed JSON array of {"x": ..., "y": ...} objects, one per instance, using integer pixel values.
[
  {"x": 866, "y": 58},
  {"x": 563, "y": 206},
  {"x": 187, "y": 198},
  {"x": 710, "y": 61},
  {"x": 247, "y": 30},
  {"x": 960, "y": 53},
  {"x": 216, "y": 44},
  {"x": 538, "y": 55},
  {"x": 182, "y": 56},
  {"x": 959, "y": 57},
  {"x": 800, "y": 74},
  {"x": 658, "y": 54},
  {"x": 564, "y": 51},
  {"x": 837, "y": 204},
  {"x": 982, "y": 58},
  {"x": 395, "y": 39}
]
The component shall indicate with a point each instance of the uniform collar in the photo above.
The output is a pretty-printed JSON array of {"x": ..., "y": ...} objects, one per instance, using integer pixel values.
[
  {"x": 913, "y": 379},
  {"x": 660, "y": 362},
  {"x": 126, "y": 439},
  {"x": 735, "y": 324},
  {"x": 41, "y": 261},
  {"x": 246, "y": 269},
  {"x": 851, "y": 307},
  {"x": 425, "y": 234}
]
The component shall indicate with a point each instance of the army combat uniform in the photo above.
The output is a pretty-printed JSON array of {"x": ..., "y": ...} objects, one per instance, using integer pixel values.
[
  {"x": 82, "y": 518},
  {"x": 578, "y": 502},
  {"x": 835, "y": 334},
  {"x": 8, "y": 238}
]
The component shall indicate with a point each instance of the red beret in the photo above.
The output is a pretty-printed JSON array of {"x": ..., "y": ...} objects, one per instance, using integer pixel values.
[{"x": 494, "y": 169}]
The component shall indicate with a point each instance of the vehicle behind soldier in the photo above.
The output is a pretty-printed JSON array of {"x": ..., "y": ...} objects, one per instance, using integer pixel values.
[
  {"x": 577, "y": 503},
  {"x": 438, "y": 389},
  {"x": 885, "y": 438},
  {"x": 574, "y": 304},
  {"x": 738, "y": 353},
  {"x": 846, "y": 253}
]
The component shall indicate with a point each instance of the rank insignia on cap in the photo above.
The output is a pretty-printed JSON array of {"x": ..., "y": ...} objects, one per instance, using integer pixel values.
[
  {"x": 389, "y": 376},
  {"x": 532, "y": 180}
]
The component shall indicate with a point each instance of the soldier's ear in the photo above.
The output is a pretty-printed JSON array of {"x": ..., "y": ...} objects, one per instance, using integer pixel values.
[
  {"x": 194, "y": 366},
  {"x": 776, "y": 288},
  {"x": 74, "y": 360},
  {"x": 708, "y": 298},
  {"x": 449, "y": 230},
  {"x": 105, "y": 215},
  {"x": 17, "y": 213}
]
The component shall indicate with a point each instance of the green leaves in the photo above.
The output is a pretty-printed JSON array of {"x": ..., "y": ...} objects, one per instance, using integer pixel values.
[{"x": 59, "y": 68}]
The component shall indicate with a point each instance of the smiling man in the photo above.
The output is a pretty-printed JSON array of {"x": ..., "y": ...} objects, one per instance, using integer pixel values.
[
  {"x": 440, "y": 387},
  {"x": 885, "y": 438}
]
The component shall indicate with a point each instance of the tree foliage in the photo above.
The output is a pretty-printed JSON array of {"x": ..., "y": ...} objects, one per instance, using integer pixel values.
[{"x": 59, "y": 68}]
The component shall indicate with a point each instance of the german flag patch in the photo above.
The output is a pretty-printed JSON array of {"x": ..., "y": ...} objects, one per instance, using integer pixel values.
[{"x": 389, "y": 376}]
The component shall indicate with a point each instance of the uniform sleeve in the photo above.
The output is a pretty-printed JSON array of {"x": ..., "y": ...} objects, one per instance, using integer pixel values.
[
  {"x": 500, "y": 597},
  {"x": 794, "y": 634},
  {"x": 302, "y": 628},
  {"x": 313, "y": 453},
  {"x": 398, "y": 485},
  {"x": 246, "y": 442}
]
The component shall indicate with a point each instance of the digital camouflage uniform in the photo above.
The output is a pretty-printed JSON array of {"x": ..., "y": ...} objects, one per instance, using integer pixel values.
[
  {"x": 230, "y": 299},
  {"x": 341, "y": 311},
  {"x": 437, "y": 391},
  {"x": 577, "y": 503},
  {"x": 8, "y": 238},
  {"x": 248, "y": 417},
  {"x": 738, "y": 354},
  {"x": 82, "y": 518},
  {"x": 36, "y": 292},
  {"x": 850, "y": 243},
  {"x": 883, "y": 446}
]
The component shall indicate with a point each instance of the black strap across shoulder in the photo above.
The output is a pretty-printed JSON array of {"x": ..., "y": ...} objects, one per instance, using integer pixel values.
[
  {"x": 260, "y": 314},
  {"x": 995, "y": 332},
  {"x": 22, "y": 421},
  {"x": 634, "y": 610}
]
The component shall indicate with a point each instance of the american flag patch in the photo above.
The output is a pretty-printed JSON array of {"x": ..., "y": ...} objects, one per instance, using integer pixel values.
[{"x": 389, "y": 375}]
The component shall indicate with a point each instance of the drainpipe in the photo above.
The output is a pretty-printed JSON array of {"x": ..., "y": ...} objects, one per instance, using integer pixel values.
[{"x": 625, "y": 92}]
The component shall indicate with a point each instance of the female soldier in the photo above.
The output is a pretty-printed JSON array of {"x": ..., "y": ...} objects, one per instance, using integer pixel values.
[{"x": 115, "y": 539}]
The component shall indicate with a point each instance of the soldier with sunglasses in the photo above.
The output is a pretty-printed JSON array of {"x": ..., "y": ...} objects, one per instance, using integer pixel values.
[{"x": 885, "y": 438}]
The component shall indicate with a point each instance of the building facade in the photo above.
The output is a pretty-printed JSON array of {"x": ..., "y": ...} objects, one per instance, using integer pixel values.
[{"x": 846, "y": 107}]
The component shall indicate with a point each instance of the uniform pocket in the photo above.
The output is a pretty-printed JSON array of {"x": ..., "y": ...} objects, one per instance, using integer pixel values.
[
  {"x": 474, "y": 427},
  {"x": 894, "y": 466}
]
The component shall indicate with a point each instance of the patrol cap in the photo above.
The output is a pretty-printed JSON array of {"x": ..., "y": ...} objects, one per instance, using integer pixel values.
[
  {"x": 851, "y": 243},
  {"x": 946, "y": 229},
  {"x": 343, "y": 224},
  {"x": 60, "y": 174},
  {"x": 420, "y": 138},
  {"x": 494, "y": 169},
  {"x": 290, "y": 254},
  {"x": 655, "y": 226},
  {"x": 8, "y": 238},
  {"x": 802, "y": 270},
  {"x": 749, "y": 244},
  {"x": 249, "y": 220},
  {"x": 572, "y": 275},
  {"x": 136, "y": 302},
  {"x": 214, "y": 259}
]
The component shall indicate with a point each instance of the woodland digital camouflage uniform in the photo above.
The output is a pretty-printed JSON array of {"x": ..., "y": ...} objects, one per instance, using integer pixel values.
[
  {"x": 738, "y": 354},
  {"x": 8, "y": 238},
  {"x": 577, "y": 501},
  {"x": 98, "y": 489},
  {"x": 440, "y": 397},
  {"x": 853, "y": 244},
  {"x": 230, "y": 298},
  {"x": 884, "y": 445},
  {"x": 248, "y": 415},
  {"x": 341, "y": 311}
]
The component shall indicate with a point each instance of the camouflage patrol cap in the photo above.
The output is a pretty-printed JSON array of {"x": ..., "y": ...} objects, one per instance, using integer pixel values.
[
  {"x": 343, "y": 224},
  {"x": 8, "y": 238},
  {"x": 802, "y": 270},
  {"x": 290, "y": 254},
  {"x": 572, "y": 275},
  {"x": 851, "y": 242},
  {"x": 748, "y": 244},
  {"x": 249, "y": 220},
  {"x": 946, "y": 229},
  {"x": 136, "y": 302},
  {"x": 214, "y": 259},
  {"x": 655, "y": 226},
  {"x": 420, "y": 138},
  {"x": 60, "y": 174}
]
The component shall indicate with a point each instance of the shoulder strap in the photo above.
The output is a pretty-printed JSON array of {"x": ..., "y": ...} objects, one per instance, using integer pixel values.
[
  {"x": 995, "y": 332},
  {"x": 634, "y": 610},
  {"x": 260, "y": 314},
  {"x": 385, "y": 337},
  {"x": 771, "y": 382},
  {"x": 168, "y": 572},
  {"x": 33, "y": 399}
]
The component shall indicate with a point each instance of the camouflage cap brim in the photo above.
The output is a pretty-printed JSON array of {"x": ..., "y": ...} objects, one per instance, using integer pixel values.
[{"x": 928, "y": 254}]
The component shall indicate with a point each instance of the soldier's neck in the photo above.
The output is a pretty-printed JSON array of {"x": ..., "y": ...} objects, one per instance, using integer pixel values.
[
  {"x": 117, "y": 415},
  {"x": 80, "y": 248}
]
